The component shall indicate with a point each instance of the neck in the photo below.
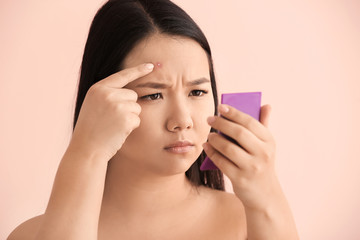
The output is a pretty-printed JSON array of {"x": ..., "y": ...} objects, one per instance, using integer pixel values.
[{"x": 134, "y": 192}]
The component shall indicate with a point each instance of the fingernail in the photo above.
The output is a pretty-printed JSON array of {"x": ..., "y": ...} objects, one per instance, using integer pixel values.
[
  {"x": 211, "y": 119},
  {"x": 223, "y": 109},
  {"x": 149, "y": 66}
]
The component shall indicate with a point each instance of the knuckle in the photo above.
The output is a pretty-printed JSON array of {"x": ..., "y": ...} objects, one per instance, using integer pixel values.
[
  {"x": 217, "y": 159},
  {"x": 130, "y": 123},
  {"x": 128, "y": 119},
  {"x": 128, "y": 94},
  {"x": 267, "y": 155},
  {"x": 228, "y": 148},
  {"x": 118, "y": 108},
  {"x": 248, "y": 122},
  {"x": 210, "y": 154},
  {"x": 240, "y": 133},
  {"x": 133, "y": 120},
  {"x": 137, "y": 108},
  {"x": 99, "y": 93},
  {"x": 242, "y": 181},
  {"x": 136, "y": 121},
  {"x": 132, "y": 95},
  {"x": 134, "y": 108},
  {"x": 108, "y": 97},
  {"x": 256, "y": 168},
  {"x": 127, "y": 132}
]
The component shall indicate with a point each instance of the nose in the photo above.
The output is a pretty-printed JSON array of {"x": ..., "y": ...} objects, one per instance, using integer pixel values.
[{"x": 179, "y": 117}]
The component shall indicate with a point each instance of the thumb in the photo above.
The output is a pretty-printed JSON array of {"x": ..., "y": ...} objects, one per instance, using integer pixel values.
[{"x": 265, "y": 115}]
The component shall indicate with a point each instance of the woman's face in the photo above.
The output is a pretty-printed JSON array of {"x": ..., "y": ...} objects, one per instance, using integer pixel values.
[{"x": 176, "y": 99}]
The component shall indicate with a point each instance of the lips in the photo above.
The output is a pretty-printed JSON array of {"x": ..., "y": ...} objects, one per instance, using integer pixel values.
[{"x": 179, "y": 147}]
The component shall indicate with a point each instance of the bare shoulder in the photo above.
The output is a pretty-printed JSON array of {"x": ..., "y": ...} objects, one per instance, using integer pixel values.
[
  {"x": 230, "y": 206},
  {"x": 26, "y": 230},
  {"x": 229, "y": 212}
]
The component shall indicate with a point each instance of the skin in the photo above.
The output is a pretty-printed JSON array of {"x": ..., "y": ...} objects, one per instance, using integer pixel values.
[
  {"x": 158, "y": 186},
  {"x": 107, "y": 187},
  {"x": 177, "y": 112}
]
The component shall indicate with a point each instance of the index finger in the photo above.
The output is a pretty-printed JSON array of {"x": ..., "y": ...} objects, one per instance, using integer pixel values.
[
  {"x": 245, "y": 120},
  {"x": 123, "y": 77}
]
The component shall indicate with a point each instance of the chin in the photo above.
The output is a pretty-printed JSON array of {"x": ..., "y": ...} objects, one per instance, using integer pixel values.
[{"x": 176, "y": 165}]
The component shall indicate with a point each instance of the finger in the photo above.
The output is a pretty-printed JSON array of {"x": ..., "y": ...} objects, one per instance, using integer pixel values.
[
  {"x": 133, "y": 121},
  {"x": 123, "y": 77},
  {"x": 245, "y": 120},
  {"x": 132, "y": 107},
  {"x": 225, "y": 165},
  {"x": 127, "y": 94},
  {"x": 239, "y": 133},
  {"x": 118, "y": 95},
  {"x": 230, "y": 150},
  {"x": 265, "y": 115}
]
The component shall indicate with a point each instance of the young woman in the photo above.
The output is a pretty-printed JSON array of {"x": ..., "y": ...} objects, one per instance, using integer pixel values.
[{"x": 145, "y": 118}]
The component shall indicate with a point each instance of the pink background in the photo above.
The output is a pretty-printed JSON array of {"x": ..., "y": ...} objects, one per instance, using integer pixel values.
[{"x": 303, "y": 55}]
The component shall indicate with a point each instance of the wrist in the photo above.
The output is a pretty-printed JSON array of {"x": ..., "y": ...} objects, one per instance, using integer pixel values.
[
  {"x": 275, "y": 219},
  {"x": 86, "y": 152},
  {"x": 268, "y": 196}
]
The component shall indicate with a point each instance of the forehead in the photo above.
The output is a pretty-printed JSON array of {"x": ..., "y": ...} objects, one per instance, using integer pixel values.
[{"x": 171, "y": 53}]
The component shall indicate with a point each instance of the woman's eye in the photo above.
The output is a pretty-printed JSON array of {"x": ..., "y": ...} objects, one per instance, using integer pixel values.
[
  {"x": 198, "y": 93},
  {"x": 152, "y": 96}
]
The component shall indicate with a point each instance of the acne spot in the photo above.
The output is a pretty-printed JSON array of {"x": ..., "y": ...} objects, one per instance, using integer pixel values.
[{"x": 158, "y": 65}]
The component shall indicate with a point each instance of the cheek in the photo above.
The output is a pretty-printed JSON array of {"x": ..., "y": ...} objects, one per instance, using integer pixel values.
[
  {"x": 150, "y": 121},
  {"x": 202, "y": 113},
  {"x": 207, "y": 107}
]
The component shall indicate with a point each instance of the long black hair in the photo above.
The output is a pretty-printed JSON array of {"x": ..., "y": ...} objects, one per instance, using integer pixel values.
[{"x": 116, "y": 28}]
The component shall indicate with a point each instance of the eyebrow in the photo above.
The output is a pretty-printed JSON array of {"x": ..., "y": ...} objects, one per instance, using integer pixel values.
[{"x": 163, "y": 85}]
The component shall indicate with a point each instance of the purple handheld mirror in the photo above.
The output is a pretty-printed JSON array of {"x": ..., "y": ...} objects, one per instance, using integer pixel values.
[{"x": 249, "y": 103}]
